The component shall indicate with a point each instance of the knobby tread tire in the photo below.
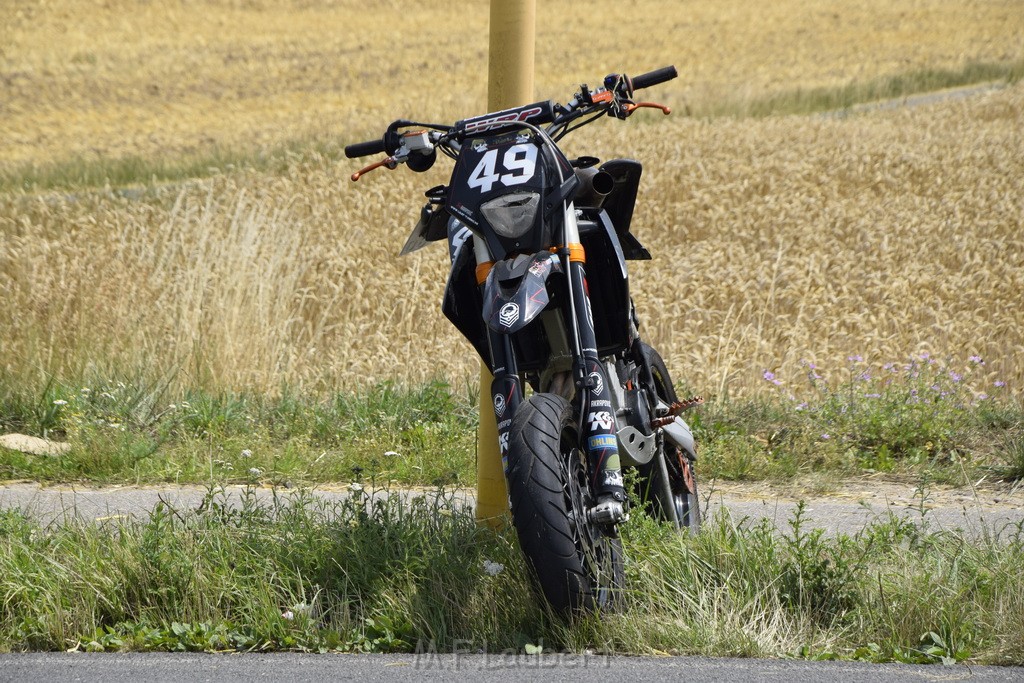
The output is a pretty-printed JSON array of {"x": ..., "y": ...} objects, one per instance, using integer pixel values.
[{"x": 537, "y": 490}]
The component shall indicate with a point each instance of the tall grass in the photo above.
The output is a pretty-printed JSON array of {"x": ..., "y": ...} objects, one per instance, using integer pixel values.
[
  {"x": 802, "y": 100},
  {"x": 776, "y": 241},
  {"x": 394, "y": 574},
  {"x": 921, "y": 419},
  {"x": 133, "y": 176}
]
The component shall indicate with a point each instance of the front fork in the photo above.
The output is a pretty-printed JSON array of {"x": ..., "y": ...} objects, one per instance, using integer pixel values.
[
  {"x": 593, "y": 387},
  {"x": 506, "y": 389}
]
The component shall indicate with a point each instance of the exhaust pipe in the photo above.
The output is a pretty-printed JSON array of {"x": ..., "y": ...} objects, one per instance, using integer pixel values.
[{"x": 595, "y": 185}]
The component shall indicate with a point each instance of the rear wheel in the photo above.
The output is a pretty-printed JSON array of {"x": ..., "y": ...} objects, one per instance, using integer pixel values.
[
  {"x": 668, "y": 482},
  {"x": 578, "y": 564}
]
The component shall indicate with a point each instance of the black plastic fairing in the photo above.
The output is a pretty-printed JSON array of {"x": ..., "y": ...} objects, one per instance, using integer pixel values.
[
  {"x": 519, "y": 163},
  {"x": 620, "y": 201},
  {"x": 463, "y": 302},
  {"x": 432, "y": 227}
]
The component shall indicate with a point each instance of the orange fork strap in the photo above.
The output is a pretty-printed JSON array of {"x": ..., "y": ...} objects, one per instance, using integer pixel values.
[
  {"x": 482, "y": 270},
  {"x": 576, "y": 253}
]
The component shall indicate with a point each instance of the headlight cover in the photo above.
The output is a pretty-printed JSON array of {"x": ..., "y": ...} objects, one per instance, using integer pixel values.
[{"x": 513, "y": 214}]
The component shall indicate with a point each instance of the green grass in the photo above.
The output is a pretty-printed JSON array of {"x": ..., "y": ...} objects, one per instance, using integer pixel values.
[
  {"x": 814, "y": 100},
  {"x": 420, "y": 575},
  {"x": 918, "y": 416},
  {"x": 921, "y": 417},
  {"x": 366, "y": 574},
  {"x": 134, "y": 171},
  {"x": 132, "y": 433}
]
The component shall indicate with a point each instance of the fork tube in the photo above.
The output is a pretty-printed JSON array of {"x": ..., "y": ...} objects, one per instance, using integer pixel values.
[
  {"x": 593, "y": 382},
  {"x": 506, "y": 390}
]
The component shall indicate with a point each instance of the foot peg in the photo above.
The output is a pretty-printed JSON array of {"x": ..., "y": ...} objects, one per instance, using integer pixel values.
[{"x": 675, "y": 409}]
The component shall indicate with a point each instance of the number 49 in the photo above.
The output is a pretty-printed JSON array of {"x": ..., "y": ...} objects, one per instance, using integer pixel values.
[{"x": 520, "y": 162}]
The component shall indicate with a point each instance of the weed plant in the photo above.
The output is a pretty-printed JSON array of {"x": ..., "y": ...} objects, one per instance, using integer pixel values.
[
  {"x": 131, "y": 433},
  {"x": 379, "y": 573},
  {"x": 922, "y": 414},
  {"x": 948, "y": 420}
]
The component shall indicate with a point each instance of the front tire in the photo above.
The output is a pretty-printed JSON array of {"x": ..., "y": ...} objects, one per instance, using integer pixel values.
[{"x": 578, "y": 564}]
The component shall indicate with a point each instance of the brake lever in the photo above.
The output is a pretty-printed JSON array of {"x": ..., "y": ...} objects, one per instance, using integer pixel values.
[
  {"x": 633, "y": 106},
  {"x": 390, "y": 163}
]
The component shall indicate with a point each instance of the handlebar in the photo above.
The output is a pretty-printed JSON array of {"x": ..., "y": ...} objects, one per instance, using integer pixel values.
[
  {"x": 655, "y": 77},
  {"x": 364, "y": 149},
  {"x": 614, "y": 99}
]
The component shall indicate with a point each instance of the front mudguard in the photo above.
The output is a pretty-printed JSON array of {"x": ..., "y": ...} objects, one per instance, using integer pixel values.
[{"x": 516, "y": 291}]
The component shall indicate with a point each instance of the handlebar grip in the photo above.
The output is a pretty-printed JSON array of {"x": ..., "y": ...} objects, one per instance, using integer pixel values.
[
  {"x": 655, "y": 77},
  {"x": 362, "y": 149}
]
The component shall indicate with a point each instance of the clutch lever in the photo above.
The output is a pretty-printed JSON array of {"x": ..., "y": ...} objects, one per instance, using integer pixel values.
[
  {"x": 633, "y": 106},
  {"x": 390, "y": 163}
]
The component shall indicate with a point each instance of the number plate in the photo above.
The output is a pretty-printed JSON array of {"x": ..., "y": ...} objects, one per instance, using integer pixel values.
[{"x": 492, "y": 166}]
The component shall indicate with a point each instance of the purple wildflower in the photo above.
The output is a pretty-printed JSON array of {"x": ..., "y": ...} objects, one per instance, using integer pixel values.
[
  {"x": 864, "y": 376},
  {"x": 982, "y": 397},
  {"x": 802, "y": 406},
  {"x": 872, "y": 396},
  {"x": 976, "y": 360},
  {"x": 825, "y": 436},
  {"x": 769, "y": 375},
  {"x": 1000, "y": 383},
  {"x": 856, "y": 358},
  {"x": 955, "y": 376}
]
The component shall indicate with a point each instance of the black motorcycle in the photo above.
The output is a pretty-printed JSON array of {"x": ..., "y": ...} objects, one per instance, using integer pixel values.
[{"x": 538, "y": 285}]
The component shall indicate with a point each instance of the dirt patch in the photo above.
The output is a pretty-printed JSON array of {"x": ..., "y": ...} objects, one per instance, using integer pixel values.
[{"x": 878, "y": 491}]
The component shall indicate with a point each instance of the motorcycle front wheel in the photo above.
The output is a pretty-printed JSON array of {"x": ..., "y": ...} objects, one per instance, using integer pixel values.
[{"x": 577, "y": 564}]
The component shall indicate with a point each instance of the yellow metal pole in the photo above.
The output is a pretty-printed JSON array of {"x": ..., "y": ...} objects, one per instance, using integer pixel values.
[{"x": 509, "y": 84}]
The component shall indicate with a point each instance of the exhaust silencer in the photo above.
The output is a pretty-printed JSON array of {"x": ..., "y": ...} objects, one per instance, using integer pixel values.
[{"x": 595, "y": 185}]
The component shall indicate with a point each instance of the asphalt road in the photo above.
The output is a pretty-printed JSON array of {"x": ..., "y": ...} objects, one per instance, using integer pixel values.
[
  {"x": 845, "y": 507},
  {"x": 116, "y": 668}
]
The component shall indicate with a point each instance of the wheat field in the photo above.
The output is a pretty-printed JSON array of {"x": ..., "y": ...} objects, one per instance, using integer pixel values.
[
  {"x": 776, "y": 241},
  {"x": 100, "y": 78}
]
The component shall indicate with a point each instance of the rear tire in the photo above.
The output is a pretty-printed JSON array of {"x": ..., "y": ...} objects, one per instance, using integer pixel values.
[
  {"x": 577, "y": 564},
  {"x": 669, "y": 482}
]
